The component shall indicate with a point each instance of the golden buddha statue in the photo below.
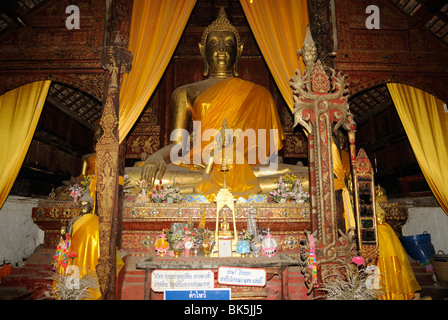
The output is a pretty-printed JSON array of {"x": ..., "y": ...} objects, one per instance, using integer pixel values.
[
  {"x": 225, "y": 228},
  {"x": 222, "y": 96},
  {"x": 86, "y": 207}
]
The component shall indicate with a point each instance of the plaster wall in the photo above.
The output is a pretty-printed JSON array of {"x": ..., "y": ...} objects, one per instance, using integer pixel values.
[
  {"x": 430, "y": 219},
  {"x": 19, "y": 235}
]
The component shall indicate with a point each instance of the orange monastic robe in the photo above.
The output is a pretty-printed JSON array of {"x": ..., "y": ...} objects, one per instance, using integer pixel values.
[
  {"x": 244, "y": 105},
  {"x": 398, "y": 279},
  {"x": 86, "y": 243}
]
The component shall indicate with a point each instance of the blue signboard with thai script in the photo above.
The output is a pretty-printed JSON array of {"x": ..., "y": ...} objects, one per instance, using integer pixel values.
[{"x": 207, "y": 294}]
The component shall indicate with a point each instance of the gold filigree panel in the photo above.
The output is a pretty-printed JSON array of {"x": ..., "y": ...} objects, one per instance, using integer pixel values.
[
  {"x": 265, "y": 211},
  {"x": 137, "y": 144}
]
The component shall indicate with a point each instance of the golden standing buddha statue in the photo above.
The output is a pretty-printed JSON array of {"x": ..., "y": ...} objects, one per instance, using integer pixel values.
[{"x": 243, "y": 104}]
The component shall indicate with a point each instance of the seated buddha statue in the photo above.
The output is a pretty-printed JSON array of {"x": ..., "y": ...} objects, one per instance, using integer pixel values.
[{"x": 221, "y": 98}]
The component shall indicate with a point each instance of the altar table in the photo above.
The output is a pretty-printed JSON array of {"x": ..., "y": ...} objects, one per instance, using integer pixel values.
[{"x": 277, "y": 263}]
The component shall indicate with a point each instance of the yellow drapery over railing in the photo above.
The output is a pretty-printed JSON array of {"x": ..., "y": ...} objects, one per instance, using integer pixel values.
[
  {"x": 279, "y": 28},
  {"x": 426, "y": 125},
  {"x": 156, "y": 28},
  {"x": 20, "y": 111}
]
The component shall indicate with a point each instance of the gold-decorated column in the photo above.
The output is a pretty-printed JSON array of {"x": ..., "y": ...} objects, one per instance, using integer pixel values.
[{"x": 116, "y": 60}]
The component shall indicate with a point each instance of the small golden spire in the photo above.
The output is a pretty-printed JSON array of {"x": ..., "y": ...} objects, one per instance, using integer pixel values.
[
  {"x": 224, "y": 166},
  {"x": 222, "y": 23}
]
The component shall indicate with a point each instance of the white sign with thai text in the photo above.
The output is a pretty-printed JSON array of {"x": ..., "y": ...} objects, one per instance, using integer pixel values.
[
  {"x": 182, "y": 279},
  {"x": 242, "y": 276}
]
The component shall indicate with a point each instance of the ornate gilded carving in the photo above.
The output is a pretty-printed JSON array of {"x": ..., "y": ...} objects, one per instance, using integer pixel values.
[
  {"x": 336, "y": 257},
  {"x": 364, "y": 187},
  {"x": 321, "y": 108},
  {"x": 116, "y": 60},
  {"x": 319, "y": 101},
  {"x": 396, "y": 215}
]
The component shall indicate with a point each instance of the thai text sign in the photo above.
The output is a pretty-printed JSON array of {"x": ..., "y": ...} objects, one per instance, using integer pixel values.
[
  {"x": 162, "y": 280},
  {"x": 207, "y": 294},
  {"x": 242, "y": 276}
]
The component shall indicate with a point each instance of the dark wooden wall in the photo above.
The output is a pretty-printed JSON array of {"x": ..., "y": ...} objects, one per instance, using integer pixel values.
[
  {"x": 54, "y": 154},
  {"x": 401, "y": 50},
  {"x": 383, "y": 138},
  {"x": 47, "y": 50}
]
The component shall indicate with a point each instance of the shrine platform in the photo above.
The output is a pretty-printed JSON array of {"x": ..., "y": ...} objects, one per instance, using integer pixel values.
[
  {"x": 142, "y": 223},
  {"x": 275, "y": 265}
]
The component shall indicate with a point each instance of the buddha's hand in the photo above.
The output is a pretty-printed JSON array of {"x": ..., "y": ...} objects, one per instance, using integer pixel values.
[{"x": 153, "y": 168}]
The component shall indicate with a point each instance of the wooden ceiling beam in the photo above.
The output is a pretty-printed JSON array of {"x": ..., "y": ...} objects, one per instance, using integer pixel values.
[
  {"x": 17, "y": 14},
  {"x": 429, "y": 9}
]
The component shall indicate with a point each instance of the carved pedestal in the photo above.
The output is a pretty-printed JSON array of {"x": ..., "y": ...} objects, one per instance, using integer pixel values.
[{"x": 143, "y": 223}]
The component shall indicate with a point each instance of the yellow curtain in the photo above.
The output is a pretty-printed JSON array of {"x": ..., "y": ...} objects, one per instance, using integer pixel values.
[
  {"x": 341, "y": 168},
  {"x": 426, "y": 125},
  {"x": 20, "y": 110},
  {"x": 279, "y": 28},
  {"x": 156, "y": 28}
]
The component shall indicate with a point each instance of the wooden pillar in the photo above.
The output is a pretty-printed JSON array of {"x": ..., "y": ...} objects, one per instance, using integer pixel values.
[
  {"x": 116, "y": 60},
  {"x": 321, "y": 107}
]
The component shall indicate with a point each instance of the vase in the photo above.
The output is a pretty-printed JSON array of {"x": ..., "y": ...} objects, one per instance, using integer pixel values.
[
  {"x": 282, "y": 200},
  {"x": 177, "y": 253},
  {"x": 140, "y": 199},
  {"x": 206, "y": 249},
  {"x": 157, "y": 200},
  {"x": 256, "y": 248},
  {"x": 170, "y": 199},
  {"x": 243, "y": 247}
]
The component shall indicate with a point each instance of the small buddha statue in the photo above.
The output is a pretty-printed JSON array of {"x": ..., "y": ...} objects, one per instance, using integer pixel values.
[
  {"x": 243, "y": 104},
  {"x": 225, "y": 228},
  {"x": 86, "y": 207},
  {"x": 63, "y": 231},
  {"x": 162, "y": 245}
]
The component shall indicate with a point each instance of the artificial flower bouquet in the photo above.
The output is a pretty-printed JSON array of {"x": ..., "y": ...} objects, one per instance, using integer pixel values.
[{"x": 289, "y": 188}]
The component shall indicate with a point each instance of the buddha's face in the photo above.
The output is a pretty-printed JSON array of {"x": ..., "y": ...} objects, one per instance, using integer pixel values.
[
  {"x": 85, "y": 207},
  {"x": 221, "y": 52}
]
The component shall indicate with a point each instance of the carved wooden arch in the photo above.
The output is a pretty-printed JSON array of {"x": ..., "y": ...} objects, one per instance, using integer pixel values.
[
  {"x": 93, "y": 86},
  {"x": 356, "y": 89},
  {"x": 9, "y": 85}
]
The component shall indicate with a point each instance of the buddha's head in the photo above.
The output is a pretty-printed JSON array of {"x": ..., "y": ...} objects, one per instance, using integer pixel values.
[
  {"x": 380, "y": 214},
  {"x": 221, "y": 48},
  {"x": 86, "y": 207}
]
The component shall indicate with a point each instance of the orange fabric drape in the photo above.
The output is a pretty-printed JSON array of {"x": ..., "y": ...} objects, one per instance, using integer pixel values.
[
  {"x": 86, "y": 243},
  {"x": 341, "y": 169},
  {"x": 245, "y": 106},
  {"x": 398, "y": 281},
  {"x": 426, "y": 125},
  {"x": 20, "y": 111},
  {"x": 279, "y": 28},
  {"x": 156, "y": 28}
]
